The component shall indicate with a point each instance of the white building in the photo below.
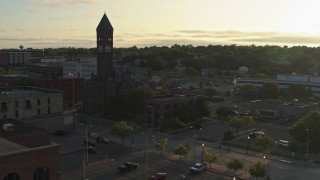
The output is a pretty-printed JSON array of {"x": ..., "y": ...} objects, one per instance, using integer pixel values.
[
  {"x": 79, "y": 69},
  {"x": 284, "y": 80}
]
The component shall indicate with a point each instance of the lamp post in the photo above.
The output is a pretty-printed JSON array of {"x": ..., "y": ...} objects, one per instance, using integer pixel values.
[
  {"x": 160, "y": 121},
  {"x": 194, "y": 145},
  {"x": 147, "y": 166},
  {"x": 151, "y": 107},
  {"x": 248, "y": 144},
  {"x": 132, "y": 140},
  {"x": 268, "y": 175},
  {"x": 200, "y": 132},
  {"x": 264, "y": 158},
  {"x": 202, "y": 153},
  {"x": 307, "y": 150}
]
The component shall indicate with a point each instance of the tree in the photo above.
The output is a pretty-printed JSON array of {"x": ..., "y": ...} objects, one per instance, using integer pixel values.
[
  {"x": 247, "y": 120},
  {"x": 236, "y": 122},
  {"x": 298, "y": 91},
  {"x": 265, "y": 142},
  {"x": 298, "y": 130},
  {"x": 228, "y": 135},
  {"x": 248, "y": 91},
  {"x": 160, "y": 144},
  {"x": 211, "y": 157},
  {"x": 181, "y": 150},
  {"x": 235, "y": 164},
  {"x": 257, "y": 170},
  {"x": 211, "y": 92},
  {"x": 121, "y": 129},
  {"x": 269, "y": 90}
]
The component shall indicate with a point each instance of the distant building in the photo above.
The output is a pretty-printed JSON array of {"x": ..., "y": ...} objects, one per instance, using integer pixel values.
[
  {"x": 17, "y": 57},
  {"x": 46, "y": 70},
  {"x": 26, "y": 152},
  {"x": 285, "y": 80},
  {"x": 165, "y": 105},
  {"x": 69, "y": 87},
  {"x": 42, "y": 107},
  {"x": 80, "y": 69}
]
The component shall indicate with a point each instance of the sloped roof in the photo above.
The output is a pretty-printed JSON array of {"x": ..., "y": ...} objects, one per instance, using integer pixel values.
[{"x": 104, "y": 24}]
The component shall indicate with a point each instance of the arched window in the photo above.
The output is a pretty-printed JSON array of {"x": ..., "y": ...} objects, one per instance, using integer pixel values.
[
  {"x": 41, "y": 173},
  {"x": 12, "y": 176}
]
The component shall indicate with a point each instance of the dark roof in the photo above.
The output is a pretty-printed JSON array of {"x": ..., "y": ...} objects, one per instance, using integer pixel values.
[
  {"x": 20, "y": 128},
  {"x": 104, "y": 24}
]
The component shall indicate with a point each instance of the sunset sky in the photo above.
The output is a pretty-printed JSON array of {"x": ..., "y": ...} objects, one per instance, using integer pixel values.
[{"x": 72, "y": 23}]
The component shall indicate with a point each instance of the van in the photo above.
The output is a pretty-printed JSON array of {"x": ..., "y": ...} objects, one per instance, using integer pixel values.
[{"x": 283, "y": 143}]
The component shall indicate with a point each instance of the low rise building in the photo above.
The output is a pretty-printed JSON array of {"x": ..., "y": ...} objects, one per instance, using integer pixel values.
[{"x": 26, "y": 152}]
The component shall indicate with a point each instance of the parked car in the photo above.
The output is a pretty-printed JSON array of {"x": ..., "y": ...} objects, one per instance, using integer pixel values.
[
  {"x": 197, "y": 168},
  {"x": 102, "y": 140},
  {"x": 283, "y": 143},
  {"x": 92, "y": 149},
  {"x": 255, "y": 134},
  {"x": 128, "y": 166},
  {"x": 159, "y": 176},
  {"x": 90, "y": 142},
  {"x": 60, "y": 133}
]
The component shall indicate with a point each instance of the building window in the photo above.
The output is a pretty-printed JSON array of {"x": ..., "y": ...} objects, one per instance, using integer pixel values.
[
  {"x": 38, "y": 101},
  {"x": 28, "y": 104},
  {"x": 49, "y": 110},
  {"x": 41, "y": 173},
  {"x": 49, "y": 101},
  {"x": 12, "y": 176},
  {"x": 16, "y": 104},
  {"x": 4, "y": 107},
  {"x": 17, "y": 114},
  {"x": 39, "y": 111}
]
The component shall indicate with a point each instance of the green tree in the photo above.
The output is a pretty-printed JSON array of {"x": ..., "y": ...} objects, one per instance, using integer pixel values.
[
  {"x": 210, "y": 92},
  {"x": 228, "y": 135},
  {"x": 298, "y": 91},
  {"x": 211, "y": 158},
  {"x": 265, "y": 142},
  {"x": 235, "y": 164},
  {"x": 269, "y": 90},
  {"x": 248, "y": 91},
  {"x": 160, "y": 144},
  {"x": 121, "y": 129},
  {"x": 299, "y": 132},
  {"x": 247, "y": 120},
  {"x": 181, "y": 150},
  {"x": 257, "y": 170},
  {"x": 260, "y": 75},
  {"x": 237, "y": 123}
]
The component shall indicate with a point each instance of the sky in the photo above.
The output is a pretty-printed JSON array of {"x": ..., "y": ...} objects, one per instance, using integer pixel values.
[{"x": 72, "y": 23}]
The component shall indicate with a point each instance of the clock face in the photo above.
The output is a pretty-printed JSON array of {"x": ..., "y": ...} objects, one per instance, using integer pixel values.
[
  {"x": 100, "y": 48},
  {"x": 108, "y": 48}
]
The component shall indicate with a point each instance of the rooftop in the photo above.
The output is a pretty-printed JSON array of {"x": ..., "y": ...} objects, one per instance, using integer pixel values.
[
  {"x": 9, "y": 147},
  {"x": 19, "y": 128}
]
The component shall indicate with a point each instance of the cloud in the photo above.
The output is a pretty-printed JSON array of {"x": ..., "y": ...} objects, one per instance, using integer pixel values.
[
  {"x": 2, "y": 30},
  {"x": 20, "y": 30}
]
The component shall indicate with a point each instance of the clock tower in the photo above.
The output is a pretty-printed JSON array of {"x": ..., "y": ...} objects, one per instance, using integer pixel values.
[{"x": 104, "y": 50}]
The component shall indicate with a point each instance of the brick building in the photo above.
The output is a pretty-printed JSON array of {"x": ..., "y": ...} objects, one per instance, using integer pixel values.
[{"x": 26, "y": 153}]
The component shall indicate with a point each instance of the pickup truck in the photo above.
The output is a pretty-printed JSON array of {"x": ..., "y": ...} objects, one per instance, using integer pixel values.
[
  {"x": 128, "y": 166},
  {"x": 197, "y": 168}
]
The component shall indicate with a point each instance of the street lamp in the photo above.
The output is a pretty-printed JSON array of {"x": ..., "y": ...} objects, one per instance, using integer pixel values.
[
  {"x": 151, "y": 107},
  {"x": 307, "y": 150},
  {"x": 264, "y": 158},
  {"x": 200, "y": 132},
  {"x": 147, "y": 155},
  {"x": 248, "y": 144},
  {"x": 132, "y": 140},
  {"x": 194, "y": 145},
  {"x": 202, "y": 153}
]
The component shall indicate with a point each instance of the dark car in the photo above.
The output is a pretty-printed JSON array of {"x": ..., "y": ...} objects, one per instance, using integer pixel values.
[
  {"x": 128, "y": 166},
  {"x": 255, "y": 134},
  {"x": 159, "y": 176},
  {"x": 90, "y": 142},
  {"x": 60, "y": 133},
  {"x": 102, "y": 140},
  {"x": 92, "y": 149}
]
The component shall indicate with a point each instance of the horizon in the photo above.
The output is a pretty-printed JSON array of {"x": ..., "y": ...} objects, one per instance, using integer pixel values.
[{"x": 72, "y": 23}]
